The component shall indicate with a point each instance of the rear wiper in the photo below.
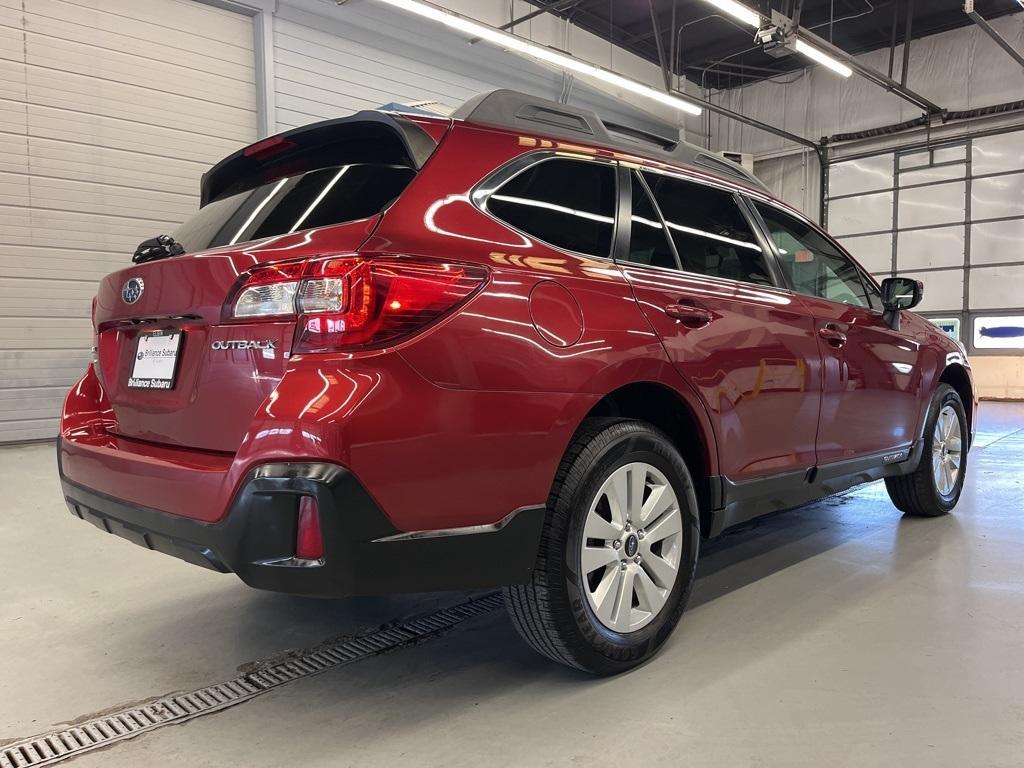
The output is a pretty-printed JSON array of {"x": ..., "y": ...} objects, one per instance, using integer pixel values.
[{"x": 159, "y": 247}]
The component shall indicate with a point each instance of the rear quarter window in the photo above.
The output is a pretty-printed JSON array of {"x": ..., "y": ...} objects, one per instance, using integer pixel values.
[{"x": 566, "y": 203}]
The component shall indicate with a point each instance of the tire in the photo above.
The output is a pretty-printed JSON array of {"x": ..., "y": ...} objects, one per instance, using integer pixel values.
[
  {"x": 919, "y": 493},
  {"x": 557, "y": 611}
]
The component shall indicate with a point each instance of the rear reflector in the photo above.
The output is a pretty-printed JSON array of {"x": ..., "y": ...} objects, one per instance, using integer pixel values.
[
  {"x": 351, "y": 302},
  {"x": 309, "y": 542}
]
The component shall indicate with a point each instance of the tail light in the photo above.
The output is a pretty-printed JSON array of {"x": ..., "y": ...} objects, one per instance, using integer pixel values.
[
  {"x": 352, "y": 302},
  {"x": 269, "y": 291}
]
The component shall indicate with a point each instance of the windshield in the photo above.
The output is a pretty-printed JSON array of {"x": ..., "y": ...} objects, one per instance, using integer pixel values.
[{"x": 304, "y": 201}]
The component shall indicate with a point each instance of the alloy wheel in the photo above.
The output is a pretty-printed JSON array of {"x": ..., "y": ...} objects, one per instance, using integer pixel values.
[
  {"x": 632, "y": 543},
  {"x": 946, "y": 451}
]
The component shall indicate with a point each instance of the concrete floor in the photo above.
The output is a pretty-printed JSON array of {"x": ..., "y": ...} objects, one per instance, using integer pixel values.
[{"x": 838, "y": 634}]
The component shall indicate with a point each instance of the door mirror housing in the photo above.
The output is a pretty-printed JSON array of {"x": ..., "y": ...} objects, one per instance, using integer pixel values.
[{"x": 899, "y": 293}]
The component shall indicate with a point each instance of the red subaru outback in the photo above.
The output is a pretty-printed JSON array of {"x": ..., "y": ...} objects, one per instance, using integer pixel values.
[{"x": 520, "y": 348}]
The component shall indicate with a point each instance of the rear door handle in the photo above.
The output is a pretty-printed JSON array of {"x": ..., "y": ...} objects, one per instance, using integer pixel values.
[
  {"x": 832, "y": 336},
  {"x": 691, "y": 317}
]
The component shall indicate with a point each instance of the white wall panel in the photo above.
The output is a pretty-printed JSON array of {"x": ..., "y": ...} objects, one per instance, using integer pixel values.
[
  {"x": 930, "y": 248},
  {"x": 911, "y": 160},
  {"x": 998, "y": 153},
  {"x": 331, "y": 60},
  {"x": 955, "y": 153},
  {"x": 998, "y": 196},
  {"x": 943, "y": 290},
  {"x": 936, "y": 204},
  {"x": 103, "y": 138},
  {"x": 794, "y": 178},
  {"x": 995, "y": 242},
  {"x": 864, "y": 213},
  {"x": 873, "y": 252},
  {"x": 321, "y": 73},
  {"x": 933, "y": 174},
  {"x": 866, "y": 174},
  {"x": 997, "y": 287}
]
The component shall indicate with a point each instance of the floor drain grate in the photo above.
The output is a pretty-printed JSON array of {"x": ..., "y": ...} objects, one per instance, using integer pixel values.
[{"x": 103, "y": 731}]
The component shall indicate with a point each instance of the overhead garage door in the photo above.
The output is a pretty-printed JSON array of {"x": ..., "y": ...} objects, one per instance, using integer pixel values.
[
  {"x": 951, "y": 215},
  {"x": 110, "y": 110}
]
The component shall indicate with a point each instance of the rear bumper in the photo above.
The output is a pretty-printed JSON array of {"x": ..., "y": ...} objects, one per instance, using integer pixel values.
[{"x": 363, "y": 553}]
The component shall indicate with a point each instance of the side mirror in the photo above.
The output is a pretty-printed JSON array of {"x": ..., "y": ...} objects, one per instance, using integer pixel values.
[{"x": 899, "y": 293}]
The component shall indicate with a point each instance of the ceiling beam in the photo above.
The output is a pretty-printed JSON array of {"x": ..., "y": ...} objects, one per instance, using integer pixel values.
[
  {"x": 989, "y": 30},
  {"x": 741, "y": 118},
  {"x": 876, "y": 77},
  {"x": 908, "y": 35},
  {"x": 662, "y": 56}
]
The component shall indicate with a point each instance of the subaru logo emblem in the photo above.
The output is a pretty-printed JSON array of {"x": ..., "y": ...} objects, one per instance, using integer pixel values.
[{"x": 132, "y": 290}]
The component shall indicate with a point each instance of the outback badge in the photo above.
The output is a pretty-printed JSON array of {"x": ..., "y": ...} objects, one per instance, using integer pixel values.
[{"x": 268, "y": 344}]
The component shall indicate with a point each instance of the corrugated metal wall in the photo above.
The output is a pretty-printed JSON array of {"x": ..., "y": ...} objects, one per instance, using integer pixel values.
[
  {"x": 103, "y": 138},
  {"x": 335, "y": 60}
]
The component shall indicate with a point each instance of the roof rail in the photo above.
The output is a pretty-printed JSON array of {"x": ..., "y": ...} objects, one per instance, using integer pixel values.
[{"x": 505, "y": 108}]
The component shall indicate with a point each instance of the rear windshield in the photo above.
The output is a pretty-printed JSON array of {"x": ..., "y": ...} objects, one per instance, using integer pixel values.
[{"x": 304, "y": 201}]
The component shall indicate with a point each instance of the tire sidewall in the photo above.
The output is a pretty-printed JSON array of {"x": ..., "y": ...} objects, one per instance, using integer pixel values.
[{"x": 612, "y": 651}]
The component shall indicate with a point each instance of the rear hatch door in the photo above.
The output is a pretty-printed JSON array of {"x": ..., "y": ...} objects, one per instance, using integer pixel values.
[{"x": 177, "y": 370}]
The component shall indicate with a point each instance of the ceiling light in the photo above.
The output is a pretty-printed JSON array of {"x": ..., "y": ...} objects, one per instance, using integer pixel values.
[
  {"x": 822, "y": 58},
  {"x": 752, "y": 18},
  {"x": 539, "y": 52},
  {"x": 739, "y": 11}
]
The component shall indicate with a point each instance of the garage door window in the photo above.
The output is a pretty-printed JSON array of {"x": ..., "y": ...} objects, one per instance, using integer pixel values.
[{"x": 567, "y": 203}]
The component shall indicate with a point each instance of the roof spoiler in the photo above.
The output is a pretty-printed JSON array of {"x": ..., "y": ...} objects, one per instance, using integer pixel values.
[
  {"x": 365, "y": 137},
  {"x": 519, "y": 111}
]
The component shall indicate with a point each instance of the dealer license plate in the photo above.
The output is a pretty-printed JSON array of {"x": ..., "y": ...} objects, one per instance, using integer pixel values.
[{"x": 156, "y": 360}]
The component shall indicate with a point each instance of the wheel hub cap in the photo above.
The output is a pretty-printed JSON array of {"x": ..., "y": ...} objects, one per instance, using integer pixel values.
[
  {"x": 632, "y": 545},
  {"x": 631, "y": 548},
  {"x": 946, "y": 451}
]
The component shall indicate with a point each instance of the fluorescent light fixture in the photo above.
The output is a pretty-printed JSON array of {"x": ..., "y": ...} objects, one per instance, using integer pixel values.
[
  {"x": 753, "y": 18},
  {"x": 739, "y": 11},
  {"x": 534, "y": 51},
  {"x": 822, "y": 58}
]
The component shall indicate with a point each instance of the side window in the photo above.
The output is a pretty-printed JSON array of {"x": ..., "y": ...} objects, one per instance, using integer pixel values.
[
  {"x": 648, "y": 243},
  {"x": 874, "y": 295},
  {"x": 813, "y": 264},
  {"x": 567, "y": 203},
  {"x": 710, "y": 232}
]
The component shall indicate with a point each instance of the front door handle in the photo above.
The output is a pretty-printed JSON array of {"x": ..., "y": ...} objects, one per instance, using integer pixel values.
[
  {"x": 832, "y": 336},
  {"x": 691, "y": 317}
]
